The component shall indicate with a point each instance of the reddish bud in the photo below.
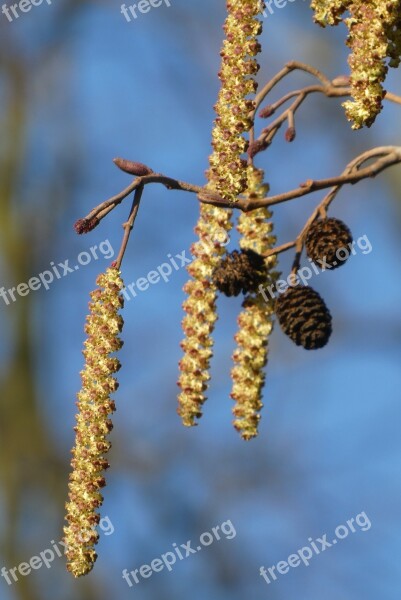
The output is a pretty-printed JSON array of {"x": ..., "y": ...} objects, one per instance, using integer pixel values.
[
  {"x": 267, "y": 111},
  {"x": 133, "y": 168},
  {"x": 290, "y": 134},
  {"x": 85, "y": 225}
]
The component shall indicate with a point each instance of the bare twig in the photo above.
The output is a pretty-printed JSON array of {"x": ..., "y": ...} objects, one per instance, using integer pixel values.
[
  {"x": 392, "y": 98},
  {"x": 338, "y": 87},
  {"x": 105, "y": 207},
  {"x": 389, "y": 155},
  {"x": 129, "y": 225},
  {"x": 288, "y": 68},
  {"x": 280, "y": 249},
  {"x": 266, "y": 136}
]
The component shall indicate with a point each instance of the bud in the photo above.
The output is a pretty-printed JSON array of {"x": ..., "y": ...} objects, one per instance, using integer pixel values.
[
  {"x": 133, "y": 168},
  {"x": 267, "y": 111},
  {"x": 86, "y": 225},
  {"x": 290, "y": 134}
]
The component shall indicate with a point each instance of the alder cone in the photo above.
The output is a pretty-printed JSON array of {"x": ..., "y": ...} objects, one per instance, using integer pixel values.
[
  {"x": 239, "y": 271},
  {"x": 324, "y": 239},
  {"x": 304, "y": 317}
]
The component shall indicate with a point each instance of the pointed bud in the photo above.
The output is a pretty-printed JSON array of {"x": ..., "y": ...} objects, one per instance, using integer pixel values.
[{"x": 133, "y": 168}]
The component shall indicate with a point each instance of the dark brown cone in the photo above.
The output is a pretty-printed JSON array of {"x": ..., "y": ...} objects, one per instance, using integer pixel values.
[
  {"x": 324, "y": 239},
  {"x": 304, "y": 317},
  {"x": 239, "y": 272}
]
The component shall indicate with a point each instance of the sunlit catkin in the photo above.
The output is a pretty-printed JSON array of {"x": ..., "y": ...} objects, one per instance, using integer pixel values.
[
  {"x": 255, "y": 322},
  {"x": 375, "y": 42},
  {"x": 374, "y": 36},
  {"x": 103, "y": 325},
  {"x": 200, "y": 308},
  {"x": 329, "y": 12},
  {"x": 227, "y": 176}
]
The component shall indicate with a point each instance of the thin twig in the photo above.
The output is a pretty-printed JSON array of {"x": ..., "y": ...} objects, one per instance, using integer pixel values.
[
  {"x": 338, "y": 87},
  {"x": 392, "y": 98},
  {"x": 353, "y": 168},
  {"x": 288, "y": 68},
  {"x": 280, "y": 249},
  {"x": 390, "y": 155},
  {"x": 330, "y": 91},
  {"x": 129, "y": 225},
  {"x": 105, "y": 207}
]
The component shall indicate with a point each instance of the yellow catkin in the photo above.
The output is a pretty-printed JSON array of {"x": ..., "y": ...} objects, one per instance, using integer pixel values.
[
  {"x": 375, "y": 42},
  {"x": 329, "y": 12},
  {"x": 255, "y": 322},
  {"x": 227, "y": 176},
  {"x": 103, "y": 325},
  {"x": 372, "y": 39},
  {"x": 200, "y": 308}
]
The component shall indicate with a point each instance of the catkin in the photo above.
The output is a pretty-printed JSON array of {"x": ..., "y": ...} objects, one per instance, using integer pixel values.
[{"x": 103, "y": 325}]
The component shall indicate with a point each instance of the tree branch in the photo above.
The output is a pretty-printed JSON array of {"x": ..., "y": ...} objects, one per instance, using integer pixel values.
[
  {"x": 385, "y": 156},
  {"x": 389, "y": 155}
]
